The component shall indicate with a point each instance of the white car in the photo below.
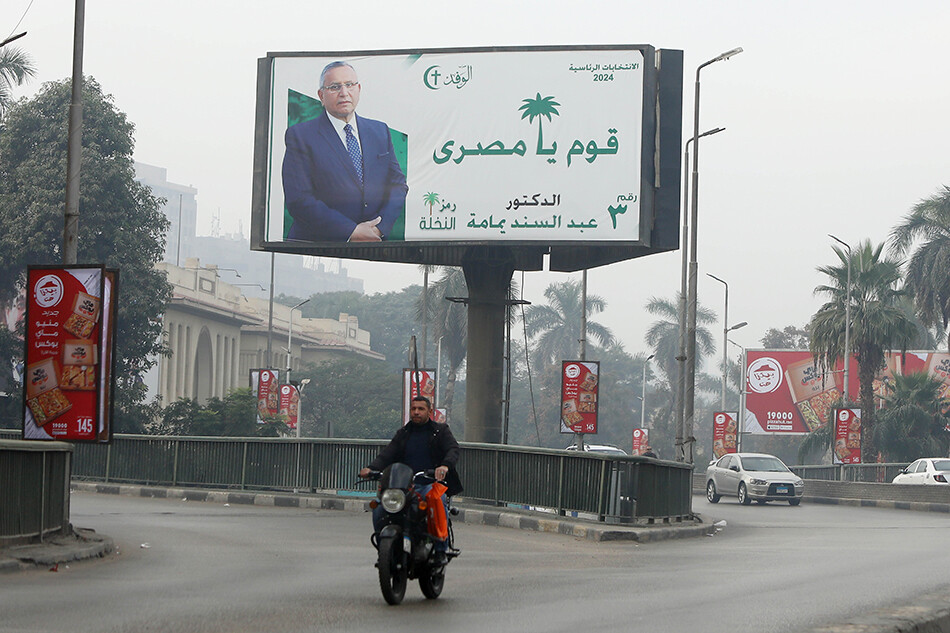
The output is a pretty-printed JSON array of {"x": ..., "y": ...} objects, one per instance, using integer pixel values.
[
  {"x": 749, "y": 476},
  {"x": 932, "y": 471},
  {"x": 606, "y": 449}
]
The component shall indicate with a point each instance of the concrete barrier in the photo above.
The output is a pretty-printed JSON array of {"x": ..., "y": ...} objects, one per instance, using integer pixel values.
[{"x": 34, "y": 489}]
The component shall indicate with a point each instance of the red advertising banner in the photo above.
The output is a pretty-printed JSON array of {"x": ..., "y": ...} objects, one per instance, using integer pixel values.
[
  {"x": 847, "y": 436},
  {"x": 725, "y": 433},
  {"x": 640, "y": 441},
  {"x": 579, "y": 396},
  {"x": 414, "y": 383},
  {"x": 289, "y": 405},
  {"x": 70, "y": 324},
  {"x": 264, "y": 385}
]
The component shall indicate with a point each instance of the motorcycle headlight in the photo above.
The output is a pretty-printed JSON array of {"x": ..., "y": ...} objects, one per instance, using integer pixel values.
[
  {"x": 758, "y": 482},
  {"x": 393, "y": 500}
]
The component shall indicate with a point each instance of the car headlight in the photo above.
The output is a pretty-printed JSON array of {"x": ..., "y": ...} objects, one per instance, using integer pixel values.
[
  {"x": 799, "y": 483},
  {"x": 758, "y": 482},
  {"x": 393, "y": 500}
]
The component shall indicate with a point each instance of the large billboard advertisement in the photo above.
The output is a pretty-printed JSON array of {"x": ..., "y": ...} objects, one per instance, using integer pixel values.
[
  {"x": 787, "y": 392},
  {"x": 518, "y": 146},
  {"x": 70, "y": 326}
]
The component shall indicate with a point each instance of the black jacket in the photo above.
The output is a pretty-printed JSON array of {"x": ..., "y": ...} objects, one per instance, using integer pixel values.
[{"x": 442, "y": 446}]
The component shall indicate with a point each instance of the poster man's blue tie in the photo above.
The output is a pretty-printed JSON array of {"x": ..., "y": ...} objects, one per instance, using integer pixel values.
[{"x": 353, "y": 149}]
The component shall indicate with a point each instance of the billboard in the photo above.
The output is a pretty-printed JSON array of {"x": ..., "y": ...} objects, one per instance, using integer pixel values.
[
  {"x": 641, "y": 440},
  {"x": 459, "y": 146},
  {"x": 265, "y": 387},
  {"x": 289, "y": 406},
  {"x": 579, "y": 380},
  {"x": 725, "y": 433},
  {"x": 70, "y": 329},
  {"x": 847, "y": 449},
  {"x": 418, "y": 382},
  {"x": 787, "y": 392}
]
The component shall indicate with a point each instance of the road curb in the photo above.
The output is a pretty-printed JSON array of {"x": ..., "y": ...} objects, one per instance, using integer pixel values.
[
  {"x": 80, "y": 544},
  {"x": 500, "y": 517}
]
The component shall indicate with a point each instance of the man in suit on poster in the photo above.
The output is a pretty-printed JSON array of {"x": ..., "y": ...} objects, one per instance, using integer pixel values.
[{"x": 341, "y": 179}]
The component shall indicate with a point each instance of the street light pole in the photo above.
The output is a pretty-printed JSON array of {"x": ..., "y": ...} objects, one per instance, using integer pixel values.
[
  {"x": 680, "y": 393},
  {"x": 725, "y": 338},
  {"x": 643, "y": 397},
  {"x": 290, "y": 334},
  {"x": 690, "y": 393},
  {"x": 847, "y": 323}
]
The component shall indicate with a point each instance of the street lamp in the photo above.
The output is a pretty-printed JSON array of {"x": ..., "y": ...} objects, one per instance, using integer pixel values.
[
  {"x": 290, "y": 333},
  {"x": 693, "y": 267},
  {"x": 725, "y": 337},
  {"x": 847, "y": 321},
  {"x": 742, "y": 393},
  {"x": 643, "y": 398},
  {"x": 680, "y": 393}
]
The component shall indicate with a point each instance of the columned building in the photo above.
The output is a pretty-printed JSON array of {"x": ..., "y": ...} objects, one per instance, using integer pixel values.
[{"x": 216, "y": 336}]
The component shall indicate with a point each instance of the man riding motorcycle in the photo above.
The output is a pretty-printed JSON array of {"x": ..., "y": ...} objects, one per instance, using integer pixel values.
[{"x": 422, "y": 444}]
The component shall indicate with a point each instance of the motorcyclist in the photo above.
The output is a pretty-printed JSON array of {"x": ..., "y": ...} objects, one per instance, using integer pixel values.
[{"x": 422, "y": 444}]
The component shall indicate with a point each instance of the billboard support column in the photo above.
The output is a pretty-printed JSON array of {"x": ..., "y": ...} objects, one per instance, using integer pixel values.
[{"x": 488, "y": 274}]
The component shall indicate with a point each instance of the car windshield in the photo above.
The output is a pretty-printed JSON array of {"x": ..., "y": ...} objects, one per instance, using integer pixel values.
[
  {"x": 942, "y": 464},
  {"x": 764, "y": 464}
]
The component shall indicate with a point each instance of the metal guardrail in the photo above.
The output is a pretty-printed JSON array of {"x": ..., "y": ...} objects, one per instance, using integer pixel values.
[
  {"x": 615, "y": 489},
  {"x": 34, "y": 489},
  {"x": 867, "y": 473}
]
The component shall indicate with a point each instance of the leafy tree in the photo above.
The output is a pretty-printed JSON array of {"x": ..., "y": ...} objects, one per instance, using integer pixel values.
[
  {"x": 351, "y": 397},
  {"x": 120, "y": 222},
  {"x": 663, "y": 337},
  {"x": 789, "y": 337},
  {"x": 928, "y": 271},
  {"x": 557, "y": 325},
  {"x": 15, "y": 68},
  {"x": 877, "y": 322},
  {"x": 233, "y": 416},
  {"x": 912, "y": 423}
]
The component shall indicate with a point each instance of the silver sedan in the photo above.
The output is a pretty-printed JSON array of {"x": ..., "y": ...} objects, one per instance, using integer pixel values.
[{"x": 749, "y": 476}]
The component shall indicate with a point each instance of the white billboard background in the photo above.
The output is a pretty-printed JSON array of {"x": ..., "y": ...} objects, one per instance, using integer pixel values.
[{"x": 470, "y": 146}]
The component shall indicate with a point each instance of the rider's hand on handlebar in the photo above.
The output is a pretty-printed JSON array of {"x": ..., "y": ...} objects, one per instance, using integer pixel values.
[
  {"x": 365, "y": 472},
  {"x": 441, "y": 472}
]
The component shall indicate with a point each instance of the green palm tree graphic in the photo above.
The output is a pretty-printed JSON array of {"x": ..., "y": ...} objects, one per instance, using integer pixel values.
[
  {"x": 540, "y": 107},
  {"x": 431, "y": 199}
]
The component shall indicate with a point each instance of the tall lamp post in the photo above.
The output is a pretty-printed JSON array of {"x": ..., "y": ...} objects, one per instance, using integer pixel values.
[
  {"x": 693, "y": 267},
  {"x": 290, "y": 334},
  {"x": 742, "y": 393},
  {"x": 679, "y": 395},
  {"x": 725, "y": 338},
  {"x": 847, "y": 322},
  {"x": 643, "y": 396}
]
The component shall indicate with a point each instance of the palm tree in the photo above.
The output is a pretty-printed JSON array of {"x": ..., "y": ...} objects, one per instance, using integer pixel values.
[
  {"x": 557, "y": 326},
  {"x": 877, "y": 322},
  {"x": 928, "y": 271},
  {"x": 15, "y": 69},
  {"x": 664, "y": 336},
  {"x": 539, "y": 107},
  {"x": 913, "y": 421},
  {"x": 449, "y": 324},
  {"x": 431, "y": 199}
]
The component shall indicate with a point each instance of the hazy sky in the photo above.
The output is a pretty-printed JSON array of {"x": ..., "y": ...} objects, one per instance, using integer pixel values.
[{"x": 835, "y": 117}]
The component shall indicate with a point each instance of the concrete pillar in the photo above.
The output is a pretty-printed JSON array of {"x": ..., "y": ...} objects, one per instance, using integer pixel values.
[{"x": 488, "y": 275}]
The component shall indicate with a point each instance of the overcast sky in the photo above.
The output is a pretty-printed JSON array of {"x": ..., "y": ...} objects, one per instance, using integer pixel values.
[{"x": 835, "y": 117}]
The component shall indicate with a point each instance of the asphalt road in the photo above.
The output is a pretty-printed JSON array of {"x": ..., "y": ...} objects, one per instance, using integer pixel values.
[{"x": 188, "y": 566}]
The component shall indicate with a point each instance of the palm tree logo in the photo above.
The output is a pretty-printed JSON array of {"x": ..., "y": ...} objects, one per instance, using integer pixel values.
[
  {"x": 540, "y": 107},
  {"x": 431, "y": 199}
]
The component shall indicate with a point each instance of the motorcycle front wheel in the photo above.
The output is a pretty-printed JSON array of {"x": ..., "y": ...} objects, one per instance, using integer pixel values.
[
  {"x": 432, "y": 581},
  {"x": 393, "y": 573}
]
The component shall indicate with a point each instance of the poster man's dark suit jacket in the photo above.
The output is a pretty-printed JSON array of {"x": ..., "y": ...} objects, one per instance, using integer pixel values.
[{"x": 322, "y": 189}]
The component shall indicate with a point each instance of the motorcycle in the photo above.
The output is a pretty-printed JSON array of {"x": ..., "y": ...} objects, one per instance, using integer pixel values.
[{"x": 406, "y": 550}]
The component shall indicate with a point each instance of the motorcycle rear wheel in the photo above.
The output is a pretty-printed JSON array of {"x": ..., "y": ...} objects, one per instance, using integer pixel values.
[
  {"x": 431, "y": 582},
  {"x": 393, "y": 573}
]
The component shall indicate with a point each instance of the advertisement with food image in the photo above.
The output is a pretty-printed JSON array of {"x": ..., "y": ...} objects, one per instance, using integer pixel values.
[
  {"x": 725, "y": 433},
  {"x": 289, "y": 405},
  {"x": 641, "y": 440},
  {"x": 579, "y": 380},
  {"x": 847, "y": 447},
  {"x": 265, "y": 387},
  {"x": 63, "y": 391}
]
